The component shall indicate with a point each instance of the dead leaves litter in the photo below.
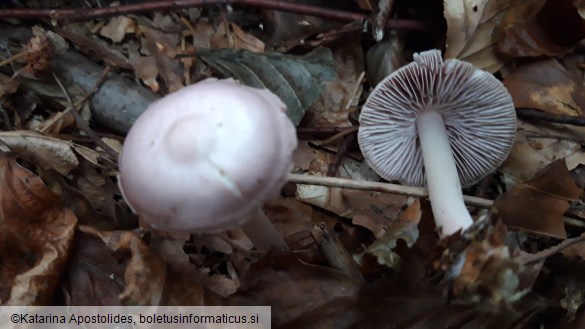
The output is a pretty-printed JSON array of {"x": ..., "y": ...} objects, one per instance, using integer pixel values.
[
  {"x": 291, "y": 287},
  {"x": 37, "y": 233},
  {"x": 471, "y": 27},
  {"x": 358, "y": 258},
  {"x": 538, "y": 205}
]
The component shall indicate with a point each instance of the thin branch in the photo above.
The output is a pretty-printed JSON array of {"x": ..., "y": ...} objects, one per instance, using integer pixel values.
[
  {"x": 81, "y": 124},
  {"x": 533, "y": 114},
  {"x": 321, "y": 132},
  {"x": 14, "y": 58},
  {"x": 531, "y": 258},
  {"x": 575, "y": 139},
  {"x": 341, "y": 152},
  {"x": 78, "y": 14},
  {"x": 378, "y": 187}
]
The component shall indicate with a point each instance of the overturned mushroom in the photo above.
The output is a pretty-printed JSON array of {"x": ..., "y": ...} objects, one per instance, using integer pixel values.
[
  {"x": 205, "y": 158},
  {"x": 443, "y": 123}
]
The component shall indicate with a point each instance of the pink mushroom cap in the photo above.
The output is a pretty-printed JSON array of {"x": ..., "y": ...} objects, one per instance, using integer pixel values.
[{"x": 202, "y": 159}]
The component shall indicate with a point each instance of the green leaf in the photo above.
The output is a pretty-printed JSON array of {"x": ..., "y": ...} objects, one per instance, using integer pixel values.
[{"x": 297, "y": 80}]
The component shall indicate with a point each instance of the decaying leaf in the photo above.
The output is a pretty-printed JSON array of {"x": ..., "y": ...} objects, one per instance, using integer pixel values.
[
  {"x": 547, "y": 86},
  {"x": 292, "y": 218},
  {"x": 331, "y": 198},
  {"x": 384, "y": 58},
  {"x": 408, "y": 299},
  {"x": 235, "y": 37},
  {"x": 36, "y": 234},
  {"x": 159, "y": 274},
  {"x": 538, "y": 205},
  {"x": 479, "y": 267},
  {"x": 296, "y": 80},
  {"x": 117, "y": 28},
  {"x": 94, "y": 275},
  {"x": 342, "y": 93},
  {"x": 404, "y": 228},
  {"x": 375, "y": 211},
  {"x": 291, "y": 287},
  {"x": 470, "y": 31},
  {"x": 532, "y": 152},
  {"x": 184, "y": 283},
  {"x": 372, "y": 210},
  {"x": 285, "y": 27},
  {"x": 145, "y": 69},
  {"x": 145, "y": 271},
  {"x": 47, "y": 152},
  {"x": 162, "y": 47}
]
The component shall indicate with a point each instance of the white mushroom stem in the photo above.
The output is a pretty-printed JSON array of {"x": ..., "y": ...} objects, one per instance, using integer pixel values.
[
  {"x": 441, "y": 174},
  {"x": 262, "y": 232}
]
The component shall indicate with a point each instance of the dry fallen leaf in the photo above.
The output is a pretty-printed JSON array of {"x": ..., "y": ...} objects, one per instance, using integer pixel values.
[
  {"x": 402, "y": 228},
  {"x": 374, "y": 210},
  {"x": 470, "y": 31},
  {"x": 162, "y": 46},
  {"x": 332, "y": 199},
  {"x": 117, "y": 28},
  {"x": 160, "y": 274},
  {"x": 44, "y": 151},
  {"x": 531, "y": 152},
  {"x": 341, "y": 94},
  {"x": 235, "y": 37},
  {"x": 291, "y": 287},
  {"x": 285, "y": 28},
  {"x": 538, "y": 205},
  {"x": 547, "y": 86},
  {"x": 36, "y": 234},
  {"x": 145, "y": 69},
  {"x": 385, "y": 57},
  {"x": 94, "y": 275},
  {"x": 291, "y": 217},
  {"x": 478, "y": 267}
]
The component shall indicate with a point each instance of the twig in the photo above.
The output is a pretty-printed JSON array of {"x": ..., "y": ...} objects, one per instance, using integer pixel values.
[
  {"x": 341, "y": 152},
  {"x": 559, "y": 137},
  {"x": 81, "y": 124},
  {"x": 85, "y": 14},
  {"x": 14, "y": 58},
  {"x": 531, "y": 258},
  {"x": 348, "y": 28},
  {"x": 320, "y": 132},
  {"x": 87, "y": 44},
  {"x": 554, "y": 118},
  {"x": 337, "y": 136},
  {"x": 378, "y": 187}
]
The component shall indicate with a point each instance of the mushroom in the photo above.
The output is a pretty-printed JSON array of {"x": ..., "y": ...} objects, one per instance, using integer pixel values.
[
  {"x": 443, "y": 123},
  {"x": 206, "y": 157}
]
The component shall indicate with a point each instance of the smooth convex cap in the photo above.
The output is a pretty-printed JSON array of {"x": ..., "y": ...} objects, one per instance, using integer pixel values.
[
  {"x": 476, "y": 108},
  {"x": 203, "y": 158}
]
